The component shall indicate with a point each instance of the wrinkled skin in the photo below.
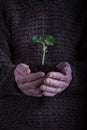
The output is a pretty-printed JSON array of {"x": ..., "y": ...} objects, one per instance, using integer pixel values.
[
  {"x": 38, "y": 84},
  {"x": 57, "y": 82},
  {"x": 28, "y": 82}
]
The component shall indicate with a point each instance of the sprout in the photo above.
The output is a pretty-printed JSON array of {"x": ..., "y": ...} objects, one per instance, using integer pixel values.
[{"x": 46, "y": 41}]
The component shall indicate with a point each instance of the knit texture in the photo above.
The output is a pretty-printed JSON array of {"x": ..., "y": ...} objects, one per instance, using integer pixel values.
[{"x": 20, "y": 20}]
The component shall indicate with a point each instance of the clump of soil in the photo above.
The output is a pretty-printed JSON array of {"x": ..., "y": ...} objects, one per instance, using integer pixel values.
[{"x": 43, "y": 68}]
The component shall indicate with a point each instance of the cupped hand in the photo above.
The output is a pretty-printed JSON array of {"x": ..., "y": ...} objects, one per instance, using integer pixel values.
[
  {"x": 57, "y": 82},
  {"x": 29, "y": 83}
]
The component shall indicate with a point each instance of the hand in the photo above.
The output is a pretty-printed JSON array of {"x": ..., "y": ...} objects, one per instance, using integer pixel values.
[
  {"x": 57, "y": 82},
  {"x": 28, "y": 82}
]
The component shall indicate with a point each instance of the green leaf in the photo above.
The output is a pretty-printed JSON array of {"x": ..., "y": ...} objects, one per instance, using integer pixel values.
[
  {"x": 49, "y": 40},
  {"x": 37, "y": 39}
]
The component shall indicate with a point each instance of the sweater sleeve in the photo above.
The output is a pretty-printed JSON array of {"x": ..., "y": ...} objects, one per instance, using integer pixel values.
[
  {"x": 79, "y": 67},
  {"x": 7, "y": 81}
]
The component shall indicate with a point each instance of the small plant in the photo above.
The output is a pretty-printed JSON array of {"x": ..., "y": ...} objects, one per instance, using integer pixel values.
[{"x": 47, "y": 40}]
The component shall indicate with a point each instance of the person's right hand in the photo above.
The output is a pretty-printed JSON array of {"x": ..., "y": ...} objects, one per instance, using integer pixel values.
[{"x": 29, "y": 83}]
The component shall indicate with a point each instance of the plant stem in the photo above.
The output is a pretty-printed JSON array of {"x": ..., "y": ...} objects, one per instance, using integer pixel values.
[
  {"x": 43, "y": 58},
  {"x": 44, "y": 51}
]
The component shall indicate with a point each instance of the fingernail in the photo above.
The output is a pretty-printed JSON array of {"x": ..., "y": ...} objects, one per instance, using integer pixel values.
[
  {"x": 46, "y": 81},
  {"x": 49, "y": 75}
]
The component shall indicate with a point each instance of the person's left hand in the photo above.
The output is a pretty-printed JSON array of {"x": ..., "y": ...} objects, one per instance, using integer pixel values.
[{"x": 57, "y": 82}]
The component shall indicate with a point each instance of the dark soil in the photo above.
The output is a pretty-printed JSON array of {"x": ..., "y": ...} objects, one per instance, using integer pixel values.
[{"x": 43, "y": 68}]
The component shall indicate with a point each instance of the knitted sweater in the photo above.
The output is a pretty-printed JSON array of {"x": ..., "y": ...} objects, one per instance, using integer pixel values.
[{"x": 19, "y": 21}]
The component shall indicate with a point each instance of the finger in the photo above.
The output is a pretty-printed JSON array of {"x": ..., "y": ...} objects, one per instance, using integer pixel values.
[
  {"x": 49, "y": 89},
  {"x": 23, "y": 69},
  {"x": 33, "y": 92},
  {"x": 59, "y": 76},
  {"x": 17, "y": 78},
  {"x": 32, "y": 76},
  {"x": 56, "y": 75},
  {"x": 67, "y": 70},
  {"x": 49, "y": 94},
  {"x": 55, "y": 83},
  {"x": 64, "y": 67},
  {"x": 60, "y": 90},
  {"x": 32, "y": 85}
]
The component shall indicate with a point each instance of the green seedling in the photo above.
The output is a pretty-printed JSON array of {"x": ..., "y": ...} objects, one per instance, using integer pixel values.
[{"x": 47, "y": 40}]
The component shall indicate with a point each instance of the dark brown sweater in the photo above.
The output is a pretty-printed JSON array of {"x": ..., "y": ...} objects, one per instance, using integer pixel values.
[{"x": 19, "y": 21}]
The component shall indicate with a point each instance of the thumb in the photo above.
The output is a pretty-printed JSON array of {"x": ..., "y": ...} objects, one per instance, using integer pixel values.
[
  {"x": 23, "y": 69},
  {"x": 64, "y": 67}
]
